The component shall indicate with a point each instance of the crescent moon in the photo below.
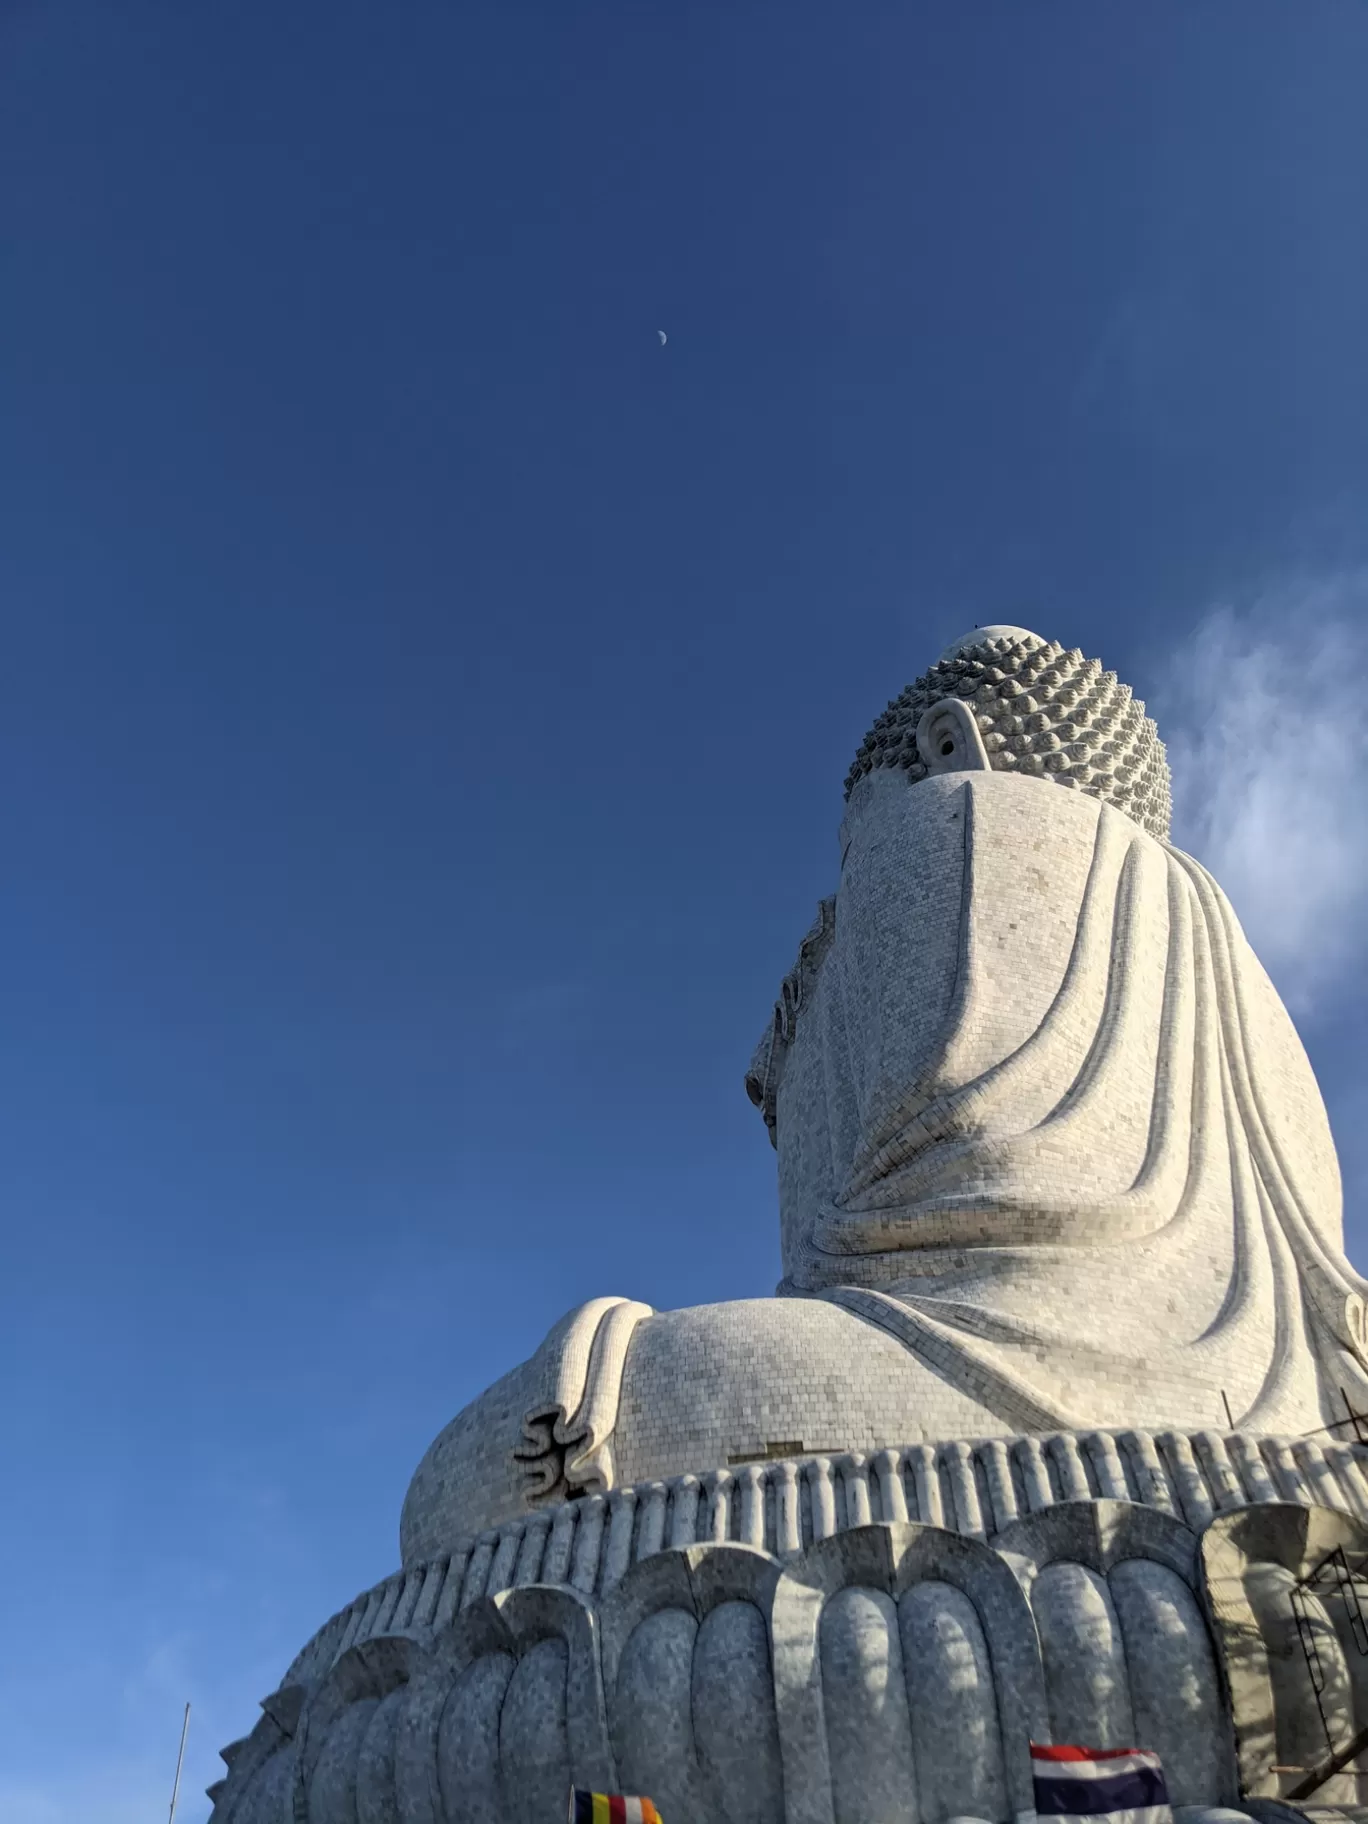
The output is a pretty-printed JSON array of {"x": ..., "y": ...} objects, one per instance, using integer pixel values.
[{"x": 663, "y": 337}]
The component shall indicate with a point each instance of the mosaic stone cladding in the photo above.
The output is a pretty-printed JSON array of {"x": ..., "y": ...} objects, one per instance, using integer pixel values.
[{"x": 1043, "y": 713}]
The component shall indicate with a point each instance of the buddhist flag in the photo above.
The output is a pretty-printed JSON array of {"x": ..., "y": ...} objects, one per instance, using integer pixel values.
[
  {"x": 610, "y": 1808},
  {"x": 1120, "y": 1785}
]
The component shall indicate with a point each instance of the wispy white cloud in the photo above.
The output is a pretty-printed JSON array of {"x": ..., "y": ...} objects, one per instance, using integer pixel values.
[{"x": 1266, "y": 719}]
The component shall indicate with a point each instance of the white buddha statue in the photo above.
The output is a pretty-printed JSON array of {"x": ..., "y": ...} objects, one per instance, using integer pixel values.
[{"x": 1050, "y": 1151}]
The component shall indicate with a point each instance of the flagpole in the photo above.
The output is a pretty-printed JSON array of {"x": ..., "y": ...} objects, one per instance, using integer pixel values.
[{"x": 180, "y": 1757}]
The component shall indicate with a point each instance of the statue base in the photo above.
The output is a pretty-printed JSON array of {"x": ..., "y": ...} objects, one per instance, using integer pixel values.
[{"x": 819, "y": 1640}]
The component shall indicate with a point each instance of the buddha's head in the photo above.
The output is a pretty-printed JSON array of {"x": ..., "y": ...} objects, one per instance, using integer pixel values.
[
  {"x": 1023, "y": 1020},
  {"x": 1032, "y": 710}
]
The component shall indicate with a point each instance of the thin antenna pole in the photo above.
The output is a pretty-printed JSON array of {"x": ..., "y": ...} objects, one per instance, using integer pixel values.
[
  {"x": 1230, "y": 1423},
  {"x": 180, "y": 1758}
]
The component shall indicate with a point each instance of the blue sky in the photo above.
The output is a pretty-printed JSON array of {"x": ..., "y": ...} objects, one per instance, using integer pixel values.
[{"x": 427, "y": 697}]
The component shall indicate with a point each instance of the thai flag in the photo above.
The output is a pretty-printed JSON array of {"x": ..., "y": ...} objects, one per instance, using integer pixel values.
[
  {"x": 1124, "y": 1785},
  {"x": 610, "y": 1808}
]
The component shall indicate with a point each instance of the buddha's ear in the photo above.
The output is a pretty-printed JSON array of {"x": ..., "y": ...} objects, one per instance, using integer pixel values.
[{"x": 949, "y": 741}]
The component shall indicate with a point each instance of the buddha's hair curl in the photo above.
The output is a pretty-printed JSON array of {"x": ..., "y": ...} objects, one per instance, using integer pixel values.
[{"x": 1043, "y": 712}]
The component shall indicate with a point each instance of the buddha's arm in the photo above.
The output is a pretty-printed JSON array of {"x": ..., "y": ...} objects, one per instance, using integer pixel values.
[
  {"x": 566, "y": 1438},
  {"x": 542, "y": 1432}
]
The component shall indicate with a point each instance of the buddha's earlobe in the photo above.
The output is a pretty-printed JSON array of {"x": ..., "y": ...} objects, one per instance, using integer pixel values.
[{"x": 949, "y": 741}]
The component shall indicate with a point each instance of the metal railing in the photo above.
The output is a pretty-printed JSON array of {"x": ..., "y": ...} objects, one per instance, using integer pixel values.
[{"x": 1333, "y": 1576}]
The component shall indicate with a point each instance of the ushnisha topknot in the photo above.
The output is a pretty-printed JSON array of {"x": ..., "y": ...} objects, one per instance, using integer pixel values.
[{"x": 1043, "y": 712}]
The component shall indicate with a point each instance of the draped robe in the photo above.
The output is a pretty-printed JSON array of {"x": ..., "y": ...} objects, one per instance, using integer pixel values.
[
  {"x": 1051, "y": 1155},
  {"x": 1041, "y": 1115}
]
